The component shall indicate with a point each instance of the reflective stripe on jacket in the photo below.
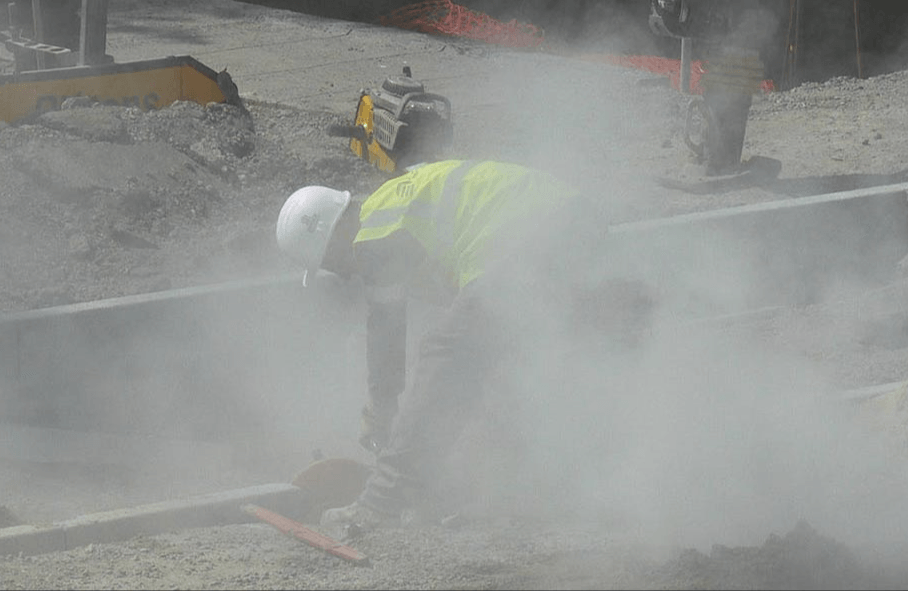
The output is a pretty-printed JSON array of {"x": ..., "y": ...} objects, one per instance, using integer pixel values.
[{"x": 458, "y": 209}]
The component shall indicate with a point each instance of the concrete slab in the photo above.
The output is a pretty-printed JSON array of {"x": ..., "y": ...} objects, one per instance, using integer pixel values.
[
  {"x": 28, "y": 540},
  {"x": 213, "y": 364},
  {"x": 191, "y": 364},
  {"x": 25, "y": 443},
  {"x": 111, "y": 526},
  {"x": 780, "y": 253}
]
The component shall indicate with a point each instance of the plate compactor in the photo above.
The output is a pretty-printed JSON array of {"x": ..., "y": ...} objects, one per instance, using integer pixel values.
[{"x": 399, "y": 124}]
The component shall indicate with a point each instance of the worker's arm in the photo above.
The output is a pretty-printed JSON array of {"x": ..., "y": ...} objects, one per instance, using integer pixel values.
[
  {"x": 384, "y": 265},
  {"x": 386, "y": 343},
  {"x": 386, "y": 363}
]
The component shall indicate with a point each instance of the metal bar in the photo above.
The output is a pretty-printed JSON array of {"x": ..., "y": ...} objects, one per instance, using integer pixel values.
[
  {"x": 93, "y": 32},
  {"x": 797, "y": 42},
  {"x": 684, "y": 83},
  {"x": 12, "y": 15},
  {"x": 301, "y": 532},
  {"x": 857, "y": 38},
  {"x": 38, "y": 22},
  {"x": 786, "y": 80}
]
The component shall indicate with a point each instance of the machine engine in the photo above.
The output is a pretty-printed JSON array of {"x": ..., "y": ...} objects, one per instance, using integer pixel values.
[{"x": 399, "y": 124}]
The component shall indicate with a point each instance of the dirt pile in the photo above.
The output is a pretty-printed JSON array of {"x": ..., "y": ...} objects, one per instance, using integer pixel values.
[
  {"x": 800, "y": 559},
  {"x": 101, "y": 201}
]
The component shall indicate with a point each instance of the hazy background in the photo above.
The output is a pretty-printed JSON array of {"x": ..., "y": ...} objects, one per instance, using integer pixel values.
[{"x": 689, "y": 436}]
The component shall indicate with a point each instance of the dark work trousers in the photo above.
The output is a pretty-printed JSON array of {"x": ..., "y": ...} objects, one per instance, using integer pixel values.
[
  {"x": 454, "y": 360},
  {"x": 518, "y": 303}
]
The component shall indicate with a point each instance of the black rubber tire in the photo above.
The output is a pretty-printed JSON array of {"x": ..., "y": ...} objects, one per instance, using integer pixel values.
[{"x": 697, "y": 109}]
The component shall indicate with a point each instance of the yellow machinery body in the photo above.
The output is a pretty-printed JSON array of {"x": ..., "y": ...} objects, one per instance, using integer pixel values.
[
  {"x": 399, "y": 124},
  {"x": 147, "y": 85},
  {"x": 365, "y": 145},
  {"x": 60, "y": 51}
]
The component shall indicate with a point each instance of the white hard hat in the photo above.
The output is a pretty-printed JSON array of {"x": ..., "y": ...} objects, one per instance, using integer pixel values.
[{"x": 306, "y": 222}]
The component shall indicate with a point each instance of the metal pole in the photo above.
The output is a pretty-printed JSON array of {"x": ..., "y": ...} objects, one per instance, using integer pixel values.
[
  {"x": 93, "y": 33},
  {"x": 857, "y": 38},
  {"x": 684, "y": 83},
  {"x": 38, "y": 21},
  {"x": 797, "y": 32},
  {"x": 13, "y": 16},
  {"x": 788, "y": 62}
]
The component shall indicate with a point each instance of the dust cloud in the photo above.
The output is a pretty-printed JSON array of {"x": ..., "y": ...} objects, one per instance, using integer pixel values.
[
  {"x": 684, "y": 435},
  {"x": 692, "y": 436},
  {"x": 688, "y": 435}
]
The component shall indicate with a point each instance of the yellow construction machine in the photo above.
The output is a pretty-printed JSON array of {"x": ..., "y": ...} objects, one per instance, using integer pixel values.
[
  {"x": 59, "y": 50},
  {"x": 399, "y": 124}
]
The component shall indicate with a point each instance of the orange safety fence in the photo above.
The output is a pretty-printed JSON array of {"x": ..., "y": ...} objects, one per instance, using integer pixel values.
[{"x": 444, "y": 17}]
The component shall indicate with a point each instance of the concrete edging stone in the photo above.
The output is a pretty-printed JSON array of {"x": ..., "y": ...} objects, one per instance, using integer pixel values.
[{"x": 208, "y": 510}]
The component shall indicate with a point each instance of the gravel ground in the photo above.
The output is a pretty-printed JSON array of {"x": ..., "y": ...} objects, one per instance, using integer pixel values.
[
  {"x": 101, "y": 202},
  {"x": 508, "y": 556}
]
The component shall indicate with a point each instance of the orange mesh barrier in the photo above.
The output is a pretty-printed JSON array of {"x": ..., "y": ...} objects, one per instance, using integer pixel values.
[{"x": 446, "y": 18}]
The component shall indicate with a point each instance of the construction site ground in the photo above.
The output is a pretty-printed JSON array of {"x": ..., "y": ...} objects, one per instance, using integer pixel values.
[{"x": 734, "y": 482}]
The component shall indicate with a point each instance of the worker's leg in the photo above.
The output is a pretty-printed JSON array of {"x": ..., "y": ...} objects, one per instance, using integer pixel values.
[{"x": 454, "y": 361}]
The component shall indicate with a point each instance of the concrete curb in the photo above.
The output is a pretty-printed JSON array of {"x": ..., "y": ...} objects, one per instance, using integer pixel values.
[{"x": 213, "y": 509}]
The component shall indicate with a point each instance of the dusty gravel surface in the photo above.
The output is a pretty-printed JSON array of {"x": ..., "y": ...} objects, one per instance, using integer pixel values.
[
  {"x": 99, "y": 202},
  {"x": 106, "y": 201}
]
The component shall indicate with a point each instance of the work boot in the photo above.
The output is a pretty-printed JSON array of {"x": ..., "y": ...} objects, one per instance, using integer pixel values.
[{"x": 357, "y": 518}]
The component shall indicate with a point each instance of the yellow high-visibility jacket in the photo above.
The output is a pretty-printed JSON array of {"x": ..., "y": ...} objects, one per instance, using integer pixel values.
[
  {"x": 439, "y": 227},
  {"x": 461, "y": 212}
]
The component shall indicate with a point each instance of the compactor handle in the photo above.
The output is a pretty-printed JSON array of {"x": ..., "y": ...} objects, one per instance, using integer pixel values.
[{"x": 351, "y": 131}]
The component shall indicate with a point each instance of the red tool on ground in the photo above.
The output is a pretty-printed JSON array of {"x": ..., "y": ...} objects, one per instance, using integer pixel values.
[{"x": 301, "y": 532}]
